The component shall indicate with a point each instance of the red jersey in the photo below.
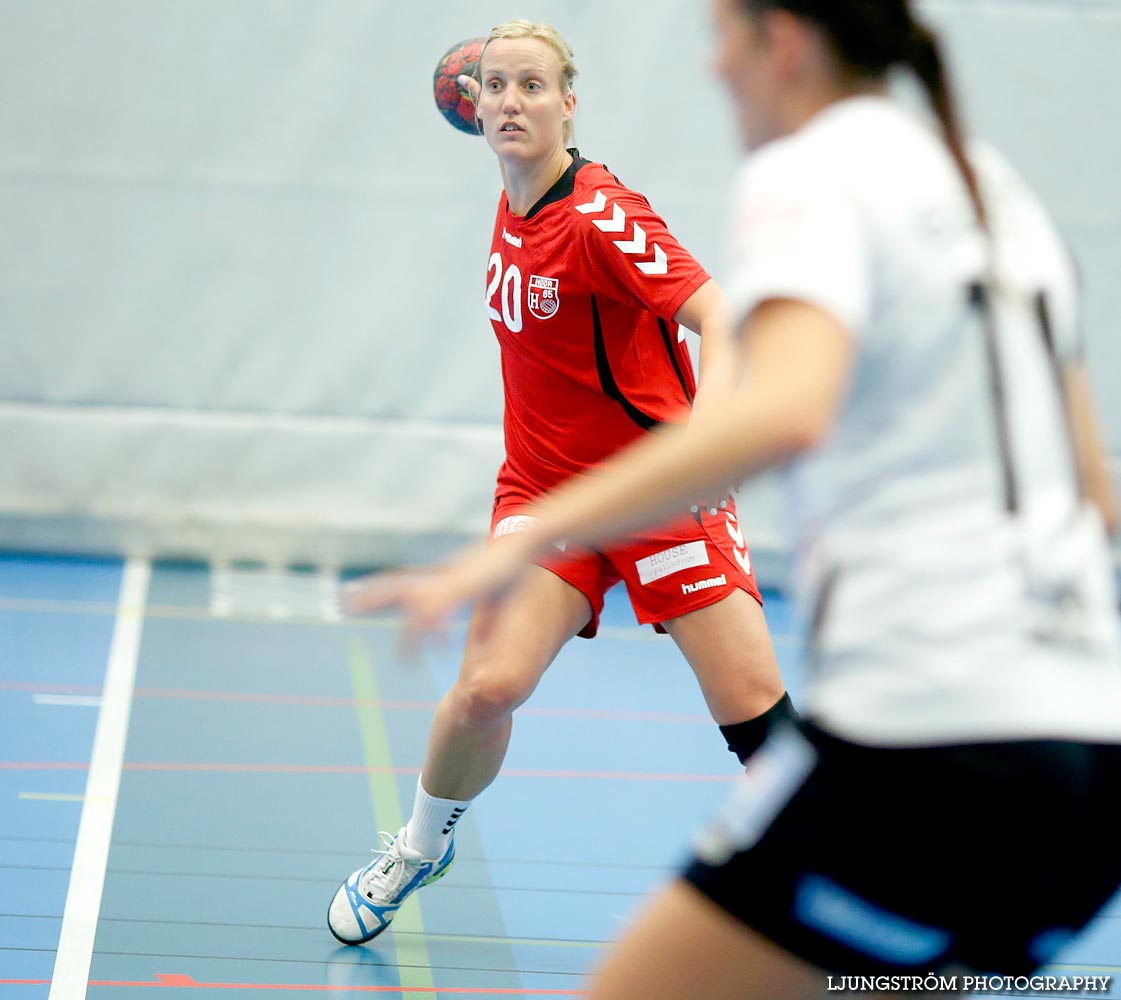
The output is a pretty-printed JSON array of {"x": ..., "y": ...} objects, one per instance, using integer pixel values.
[{"x": 582, "y": 292}]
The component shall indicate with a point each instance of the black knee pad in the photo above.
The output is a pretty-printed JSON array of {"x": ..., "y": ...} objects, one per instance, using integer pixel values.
[{"x": 744, "y": 738}]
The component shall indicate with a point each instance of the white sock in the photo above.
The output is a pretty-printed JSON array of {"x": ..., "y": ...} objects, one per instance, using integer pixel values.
[{"x": 433, "y": 822}]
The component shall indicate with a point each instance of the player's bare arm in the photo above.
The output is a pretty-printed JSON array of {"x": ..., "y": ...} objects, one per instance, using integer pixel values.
[
  {"x": 799, "y": 357},
  {"x": 1088, "y": 444},
  {"x": 721, "y": 361},
  {"x": 705, "y": 312}
]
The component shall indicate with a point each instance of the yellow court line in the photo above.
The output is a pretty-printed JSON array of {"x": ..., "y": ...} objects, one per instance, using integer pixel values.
[{"x": 388, "y": 813}]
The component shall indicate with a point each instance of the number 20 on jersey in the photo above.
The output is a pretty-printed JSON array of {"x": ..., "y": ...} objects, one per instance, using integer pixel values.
[{"x": 510, "y": 296}]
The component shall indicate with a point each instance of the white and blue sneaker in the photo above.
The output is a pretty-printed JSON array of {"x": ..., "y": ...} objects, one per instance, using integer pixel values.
[{"x": 367, "y": 902}]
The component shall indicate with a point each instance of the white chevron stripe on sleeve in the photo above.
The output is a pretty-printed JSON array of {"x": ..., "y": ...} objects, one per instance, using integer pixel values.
[
  {"x": 636, "y": 245},
  {"x": 659, "y": 265},
  {"x": 595, "y": 205},
  {"x": 616, "y": 224}
]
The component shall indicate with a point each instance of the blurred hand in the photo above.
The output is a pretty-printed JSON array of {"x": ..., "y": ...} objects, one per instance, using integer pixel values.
[{"x": 427, "y": 598}]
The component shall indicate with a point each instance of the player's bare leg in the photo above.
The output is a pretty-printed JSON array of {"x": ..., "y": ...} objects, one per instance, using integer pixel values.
[
  {"x": 683, "y": 946},
  {"x": 729, "y": 648},
  {"x": 467, "y": 743},
  {"x": 471, "y": 729}
]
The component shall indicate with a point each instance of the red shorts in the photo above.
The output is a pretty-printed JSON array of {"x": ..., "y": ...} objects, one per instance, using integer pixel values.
[{"x": 690, "y": 563}]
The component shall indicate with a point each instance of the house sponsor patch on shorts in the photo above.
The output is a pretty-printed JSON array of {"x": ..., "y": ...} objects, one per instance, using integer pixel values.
[{"x": 672, "y": 560}]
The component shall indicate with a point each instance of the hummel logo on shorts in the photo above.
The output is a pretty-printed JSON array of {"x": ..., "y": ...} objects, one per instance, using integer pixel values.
[{"x": 716, "y": 581}]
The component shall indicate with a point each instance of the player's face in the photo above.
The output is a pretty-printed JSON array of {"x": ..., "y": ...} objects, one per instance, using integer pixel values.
[
  {"x": 524, "y": 102},
  {"x": 742, "y": 57}
]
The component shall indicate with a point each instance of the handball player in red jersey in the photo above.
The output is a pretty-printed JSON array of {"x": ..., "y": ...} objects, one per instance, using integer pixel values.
[{"x": 587, "y": 290}]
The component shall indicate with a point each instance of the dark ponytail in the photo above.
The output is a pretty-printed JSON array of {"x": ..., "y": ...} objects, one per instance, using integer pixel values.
[
  {"x": 923, "y": 56},
  {"x": 869, "y": 37}
]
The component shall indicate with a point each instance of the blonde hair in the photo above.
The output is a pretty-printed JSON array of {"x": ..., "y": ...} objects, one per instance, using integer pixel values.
[{"x": 518, "y": 28}]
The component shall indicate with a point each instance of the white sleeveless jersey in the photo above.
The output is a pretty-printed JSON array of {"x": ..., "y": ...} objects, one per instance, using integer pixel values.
[{"x": 954, "y": 584}]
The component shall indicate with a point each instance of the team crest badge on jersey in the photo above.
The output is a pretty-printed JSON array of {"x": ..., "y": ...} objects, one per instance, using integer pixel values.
[{"x": 544, "y": 296}]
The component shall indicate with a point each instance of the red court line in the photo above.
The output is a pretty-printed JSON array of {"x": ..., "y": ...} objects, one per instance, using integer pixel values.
[
  {"x": 178, "y": 981},
  {"x": 266, "y": 698},
  {"x": 222, "y": 768}
]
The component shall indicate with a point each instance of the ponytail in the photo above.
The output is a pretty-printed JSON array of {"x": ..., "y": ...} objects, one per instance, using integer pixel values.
[
  {"x": 868, "y": 38},
  {"x": 923, "y": 56}
]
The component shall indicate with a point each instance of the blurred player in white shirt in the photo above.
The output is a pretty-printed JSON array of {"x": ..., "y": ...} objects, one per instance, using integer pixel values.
[{"x": 909, "y": 316}]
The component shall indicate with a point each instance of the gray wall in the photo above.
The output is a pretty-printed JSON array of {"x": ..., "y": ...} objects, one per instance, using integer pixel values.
[{"x": 242, "y": 256}]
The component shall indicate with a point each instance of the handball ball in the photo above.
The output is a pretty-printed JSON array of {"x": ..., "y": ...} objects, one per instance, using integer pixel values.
[{"x": 453, "y": 101}]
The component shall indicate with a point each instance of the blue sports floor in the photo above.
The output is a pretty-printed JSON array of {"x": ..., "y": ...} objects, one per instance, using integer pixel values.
[{"x": 268, "y": 741}]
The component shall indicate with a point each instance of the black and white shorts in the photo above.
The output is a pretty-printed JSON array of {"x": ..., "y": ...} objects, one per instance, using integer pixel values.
[{"x": 860, "y": 860}]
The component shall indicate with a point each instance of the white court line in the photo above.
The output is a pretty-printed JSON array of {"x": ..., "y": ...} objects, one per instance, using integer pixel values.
[
  {"x": 274, "y": 593},
  {"x": 95, "y": 829},
  {"x": 364, "y": 427},
  {"x": 78, "y": 700}
]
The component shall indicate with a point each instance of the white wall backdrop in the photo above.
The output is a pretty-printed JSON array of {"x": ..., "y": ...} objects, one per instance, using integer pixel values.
[{"x": 242, "y": 257}]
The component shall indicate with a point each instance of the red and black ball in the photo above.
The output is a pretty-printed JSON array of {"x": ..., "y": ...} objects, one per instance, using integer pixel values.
[{"x": 454, "y": 101}]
